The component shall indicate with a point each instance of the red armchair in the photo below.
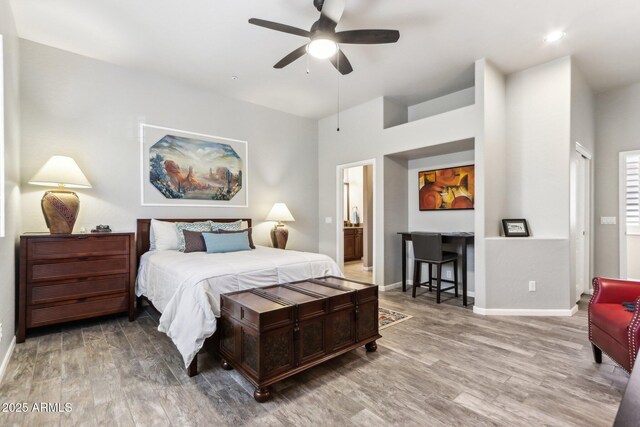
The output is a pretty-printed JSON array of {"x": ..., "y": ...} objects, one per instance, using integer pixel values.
[{"x": 612, "y": 329}]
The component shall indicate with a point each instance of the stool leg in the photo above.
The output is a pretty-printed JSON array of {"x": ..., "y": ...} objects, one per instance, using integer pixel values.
[
  {"x": 430, "y": 275},
  {"x": 455, "y": 276},
  {"x": 416, "y": 267},
  {"x": 438, "y": 273}
]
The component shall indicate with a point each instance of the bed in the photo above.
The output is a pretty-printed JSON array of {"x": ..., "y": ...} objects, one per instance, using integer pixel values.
[{"x": 186, "y": 287}]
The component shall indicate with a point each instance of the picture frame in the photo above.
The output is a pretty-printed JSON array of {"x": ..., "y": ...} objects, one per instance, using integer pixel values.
[
  {"x": 446, "y": 189},
  {"x": 515, "y": 227},
  {"x": 183, "y": 168}
]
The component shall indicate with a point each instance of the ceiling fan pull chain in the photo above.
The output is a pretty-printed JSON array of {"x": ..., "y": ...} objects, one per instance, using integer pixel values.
[
  {"x": 307, "y": 55},
  {"x": 338, "y": 115}
]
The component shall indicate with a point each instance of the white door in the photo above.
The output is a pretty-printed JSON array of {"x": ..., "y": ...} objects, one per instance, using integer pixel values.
[
  {"x": 583, "y": 224},
  {"x": 630, "y": 215}
]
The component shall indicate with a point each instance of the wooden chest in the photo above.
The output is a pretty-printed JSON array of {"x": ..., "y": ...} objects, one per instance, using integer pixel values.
[
  {"x": 74, "y": 276},
  {"x": 271, "y": 333}
]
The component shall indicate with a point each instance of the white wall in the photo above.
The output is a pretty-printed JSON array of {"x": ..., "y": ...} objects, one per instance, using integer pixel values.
[
  {"x": 617, "y": 129},
  {"x": 362, "y": 136},
  {"x": 439, "y": 221},
  {"x": 90, "y": 110},
  {"x": 452, "y": 101},
  {"x": 12, "y": 176},
  {"x": 537, "y": 181}
]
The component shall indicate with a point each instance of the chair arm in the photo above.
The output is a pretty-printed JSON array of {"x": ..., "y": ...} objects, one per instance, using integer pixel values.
[{"x": 614, "y": 291}]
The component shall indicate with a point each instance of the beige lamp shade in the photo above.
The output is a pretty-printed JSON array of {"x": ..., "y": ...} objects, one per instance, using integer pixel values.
[
  {"x": 60, "y": 171},
  {"x": 280, "y": 212}
]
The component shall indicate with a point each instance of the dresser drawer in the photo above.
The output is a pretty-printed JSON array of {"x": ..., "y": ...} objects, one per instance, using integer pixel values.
[
  {"x": 61, "y": 291},
  {"x": 39, "y": 316},
  {"x": 53, "y": 248},
  {"x": 69, "y": 269}
]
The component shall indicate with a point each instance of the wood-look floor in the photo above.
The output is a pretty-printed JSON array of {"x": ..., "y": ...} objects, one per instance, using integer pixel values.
[
  {"x": 353, "y": 270},
  {"x": 446, "y": 366}
]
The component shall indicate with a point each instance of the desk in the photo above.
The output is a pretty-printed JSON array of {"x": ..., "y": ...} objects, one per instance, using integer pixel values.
[{"x": 461, "y": 240}]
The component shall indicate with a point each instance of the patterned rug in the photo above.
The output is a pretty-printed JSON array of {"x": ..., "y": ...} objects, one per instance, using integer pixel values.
[{"x": 388, "y": 317}]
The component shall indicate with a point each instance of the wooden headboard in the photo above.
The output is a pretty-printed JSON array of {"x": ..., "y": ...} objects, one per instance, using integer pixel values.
[{"x": 143, "y": 231}]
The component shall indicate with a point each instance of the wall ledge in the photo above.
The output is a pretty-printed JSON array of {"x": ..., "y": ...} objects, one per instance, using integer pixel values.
[
  {"x": 525, "y": 312},
  {"x": 398, "y": 285},
  {"x": 7, "y": 358}
]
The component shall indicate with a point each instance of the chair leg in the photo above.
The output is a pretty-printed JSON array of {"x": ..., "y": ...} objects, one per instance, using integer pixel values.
[
  {"x": 455, "y": 276},
  {"x": 438, "y": 273},
  {"x": 416, "y": 268},
  {"x": 597, "y": 354},
  {"x": 430, "y": 276}
]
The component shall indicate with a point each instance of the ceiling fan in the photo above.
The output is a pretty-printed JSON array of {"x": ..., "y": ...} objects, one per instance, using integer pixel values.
[{"x": 324, "y": 40}]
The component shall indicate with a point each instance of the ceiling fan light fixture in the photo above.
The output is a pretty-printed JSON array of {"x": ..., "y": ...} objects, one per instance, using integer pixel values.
[{"x": 322, "y": 48}]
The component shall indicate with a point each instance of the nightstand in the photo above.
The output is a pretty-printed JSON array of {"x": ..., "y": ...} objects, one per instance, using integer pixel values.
[{"x": 65, "y": 277}]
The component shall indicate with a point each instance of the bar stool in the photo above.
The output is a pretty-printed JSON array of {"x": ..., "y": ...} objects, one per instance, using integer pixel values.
[{"x": 427, "y": 248}]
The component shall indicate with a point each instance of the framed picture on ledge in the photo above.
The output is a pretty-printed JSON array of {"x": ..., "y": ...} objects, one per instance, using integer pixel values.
[{"x": 515, "y": 227}]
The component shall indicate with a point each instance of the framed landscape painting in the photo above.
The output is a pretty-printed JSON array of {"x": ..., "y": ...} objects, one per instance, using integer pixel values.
[
  {"x": 446, "y": 189},
  {"x": 181, "y": 168}
]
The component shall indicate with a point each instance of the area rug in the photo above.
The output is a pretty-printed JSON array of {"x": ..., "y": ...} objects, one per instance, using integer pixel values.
[{"x": 388, "y": 317}]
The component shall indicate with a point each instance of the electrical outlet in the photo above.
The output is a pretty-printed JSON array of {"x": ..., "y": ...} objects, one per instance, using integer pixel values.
[
  {"x": 532, "y": 285},
  {"x": 448, "y": 274},
  {"x": 328, "y": 220}
]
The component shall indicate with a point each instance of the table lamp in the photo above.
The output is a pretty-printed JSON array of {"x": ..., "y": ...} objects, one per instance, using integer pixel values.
[
  {"x": 60, "y": 206},
  {"x": 279, "y": 233}
]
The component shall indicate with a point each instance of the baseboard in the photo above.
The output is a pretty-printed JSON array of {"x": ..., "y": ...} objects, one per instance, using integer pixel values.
[
  {"x": 390, "y": 286},
  {"x": 525, "y": 312},
  {"x": 367, "y": 268},
  {"x": 397, "y": 285},
  {"x": 7, "y": 358}
]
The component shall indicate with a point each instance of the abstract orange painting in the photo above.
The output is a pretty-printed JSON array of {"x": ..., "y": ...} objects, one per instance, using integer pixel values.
[{"x": 445, "y": 189}]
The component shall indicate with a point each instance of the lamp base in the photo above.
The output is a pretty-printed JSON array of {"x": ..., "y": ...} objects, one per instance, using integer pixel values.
[
  {"x": 60, "y": 209},
  {"x": 279, "y": 236}
]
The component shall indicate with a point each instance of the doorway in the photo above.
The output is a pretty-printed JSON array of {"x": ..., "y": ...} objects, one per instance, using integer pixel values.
[
  {"x": 629, "y": 215},
  {"x": 583, "y": 222},
  {"x": 355, "y": 220}
]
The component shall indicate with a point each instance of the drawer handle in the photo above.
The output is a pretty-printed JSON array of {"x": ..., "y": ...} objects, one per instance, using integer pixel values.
[
  {"x": 83, "y": 258},
  {"x": 82, "y": 279}
]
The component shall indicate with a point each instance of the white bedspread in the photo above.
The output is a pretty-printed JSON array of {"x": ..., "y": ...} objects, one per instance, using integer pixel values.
[{"x": 186, "y": 288}]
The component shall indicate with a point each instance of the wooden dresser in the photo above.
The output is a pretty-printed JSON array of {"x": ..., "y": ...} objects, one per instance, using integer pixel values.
[
  {"x": 353, "y": 247},
  {"x": 74, "y": 276}
]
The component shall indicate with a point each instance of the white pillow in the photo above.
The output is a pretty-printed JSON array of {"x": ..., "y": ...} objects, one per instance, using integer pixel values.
[{"x": 163, "y": 236}]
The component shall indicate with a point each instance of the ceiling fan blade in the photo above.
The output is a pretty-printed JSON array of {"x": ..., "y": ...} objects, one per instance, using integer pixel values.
[
  {"x": 367, "y": 36},
  {"x": 333, "y": 10},
  {"x": 341, "y": 63},
  {"x": 299, "y": 52},
  {"x": 280, "y": 27}
]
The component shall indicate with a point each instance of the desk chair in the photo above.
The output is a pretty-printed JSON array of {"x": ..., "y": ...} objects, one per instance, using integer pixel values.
[{"x": 427, "y": 248}]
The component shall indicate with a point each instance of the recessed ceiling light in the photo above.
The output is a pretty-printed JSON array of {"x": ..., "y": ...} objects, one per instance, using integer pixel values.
[
  {"x": 554, "y": 36},
  {"x": 234, "y": 77}
]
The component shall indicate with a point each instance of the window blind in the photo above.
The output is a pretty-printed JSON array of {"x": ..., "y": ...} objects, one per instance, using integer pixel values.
[{"x": 633, "y": 193}]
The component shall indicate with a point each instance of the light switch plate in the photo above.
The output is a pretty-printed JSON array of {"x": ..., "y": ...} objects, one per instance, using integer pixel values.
[{"x": 608, "y": 220}]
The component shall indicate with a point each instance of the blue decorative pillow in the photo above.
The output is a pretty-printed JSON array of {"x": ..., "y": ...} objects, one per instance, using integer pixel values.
[
  {"x": 229, "y": 226},
  {"x": 191, "y": 226},
  {"x": 221, "y": 243}
]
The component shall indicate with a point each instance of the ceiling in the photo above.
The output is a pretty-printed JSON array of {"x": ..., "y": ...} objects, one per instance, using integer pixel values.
[{"x": 205, "y": 42}]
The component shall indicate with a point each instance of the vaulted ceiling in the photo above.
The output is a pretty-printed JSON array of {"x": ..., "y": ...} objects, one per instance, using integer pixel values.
[{"x": 206, "y": 42}]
